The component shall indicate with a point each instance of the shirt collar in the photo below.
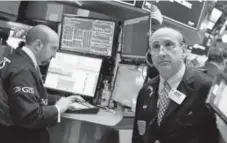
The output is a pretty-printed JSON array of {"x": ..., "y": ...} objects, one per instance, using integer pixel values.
[
  {"x": 31, "y": 55},
  {"x": 175, "y": 80}
]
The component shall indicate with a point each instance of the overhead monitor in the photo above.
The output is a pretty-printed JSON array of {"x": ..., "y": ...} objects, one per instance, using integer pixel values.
[
  {"x": 129, "y": 80},
  {"x": 135, "y": 37},
  {"x": 87, "y": 35},
  {"x": 74, "y": 74},
  {"x": 131, "y": 2},
  {"x": 186, "y": 13},
  {"x": 217, "y": 97}
]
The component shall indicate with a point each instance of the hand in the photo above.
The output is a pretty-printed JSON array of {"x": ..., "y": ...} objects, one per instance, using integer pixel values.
[
  {"x": 76, "y": 98},
  {"x": 76, "y": 105},
  {"x": 63, "y": 104}
]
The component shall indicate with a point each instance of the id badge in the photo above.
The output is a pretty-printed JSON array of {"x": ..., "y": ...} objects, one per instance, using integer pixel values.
[
  {"x": 141, "y": 127},
  {"x": 177, "y": 96}
]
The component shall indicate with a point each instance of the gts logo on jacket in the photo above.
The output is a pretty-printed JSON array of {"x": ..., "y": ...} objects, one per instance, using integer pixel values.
[{"x": 24, "y": 89}]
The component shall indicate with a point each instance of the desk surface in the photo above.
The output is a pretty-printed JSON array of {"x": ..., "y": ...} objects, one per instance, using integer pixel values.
[
  {"x": 222, "y": 128},
  {"x": 103, "y": 117}
]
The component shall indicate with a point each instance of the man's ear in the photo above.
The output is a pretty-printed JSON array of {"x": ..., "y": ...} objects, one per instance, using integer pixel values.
[
  {"x": 38, "y": 45},
  {"x": 184, "y": 51}
]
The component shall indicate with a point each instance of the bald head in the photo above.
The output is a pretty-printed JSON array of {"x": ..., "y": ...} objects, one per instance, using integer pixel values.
[
  {"x": 41, "y": 32},
  {"x": 43, "y": 42},
  {"x": 168, "y": 32}
]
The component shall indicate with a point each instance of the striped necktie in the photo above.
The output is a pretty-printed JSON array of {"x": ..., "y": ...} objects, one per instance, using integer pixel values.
[{"x": 163, "y": 102}]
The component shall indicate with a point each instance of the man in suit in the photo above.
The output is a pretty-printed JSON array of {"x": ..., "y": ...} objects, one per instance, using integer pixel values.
[
  {"x": 215, "y": 62},
  {"x": 26, "y": 110},
  {"x": 171, "y": 107}
]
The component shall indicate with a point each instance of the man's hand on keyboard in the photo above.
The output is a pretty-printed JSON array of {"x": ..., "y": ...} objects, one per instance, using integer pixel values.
[
  {"x": 63, "y": 104},
  {"x": 76, "y": 106},
  {"x": 76, "y": 98}
]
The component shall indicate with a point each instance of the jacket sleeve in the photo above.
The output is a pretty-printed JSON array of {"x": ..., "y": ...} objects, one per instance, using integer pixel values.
[
  {"x": 24, "y": 101},
  {"x": 208, "y": 129},
  {"x": 52, "y": 99},
  {"x": 136, "y": 138}
]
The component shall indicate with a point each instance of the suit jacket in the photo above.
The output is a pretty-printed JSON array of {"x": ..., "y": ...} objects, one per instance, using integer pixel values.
[
  {"x": 27, "y": 102},
  {"x": 189, "y": 122},
  {"x": 211, "y": 69}
]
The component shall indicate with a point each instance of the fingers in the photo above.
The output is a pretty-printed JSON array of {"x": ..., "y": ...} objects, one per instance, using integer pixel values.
[
  {"x": 66, "y": 100},
  {"x": 70, "y": 106},
  {"x": 76, "y": 98},
  {"x": 63, "y": 104}
]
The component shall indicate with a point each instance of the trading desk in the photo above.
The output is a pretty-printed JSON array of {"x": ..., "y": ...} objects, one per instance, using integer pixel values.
[
  {"x": 222, "y": 129},
  {"x": 88, "y": 128}
]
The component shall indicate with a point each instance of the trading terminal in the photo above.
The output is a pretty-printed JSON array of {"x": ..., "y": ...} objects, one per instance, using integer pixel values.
[{"x": 102, "y": 56}]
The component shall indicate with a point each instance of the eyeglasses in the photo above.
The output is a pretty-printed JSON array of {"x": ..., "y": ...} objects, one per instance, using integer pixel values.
[
  {"x": 167, "y": 47},
  {"x": 154, "y": 51}
]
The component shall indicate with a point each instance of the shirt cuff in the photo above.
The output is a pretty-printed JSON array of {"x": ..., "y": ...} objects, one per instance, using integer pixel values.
[{"x": 59, "y": 113}]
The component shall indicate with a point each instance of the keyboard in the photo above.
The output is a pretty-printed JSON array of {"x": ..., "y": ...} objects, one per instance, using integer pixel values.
[{"x": 83, "y": 108}]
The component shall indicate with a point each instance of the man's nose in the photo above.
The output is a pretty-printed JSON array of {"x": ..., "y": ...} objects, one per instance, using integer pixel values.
[{"x": 162, "y": 50}]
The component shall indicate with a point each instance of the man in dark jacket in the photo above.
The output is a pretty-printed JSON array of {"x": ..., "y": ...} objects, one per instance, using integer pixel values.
[
  {"x": 25, "y": 111},
  {"x": 171, "y": 107},
  {"x": 215, "y": 62}
]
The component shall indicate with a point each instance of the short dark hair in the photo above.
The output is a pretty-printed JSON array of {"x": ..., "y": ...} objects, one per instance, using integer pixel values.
[
  {"x": 216, "y": 55},
  {"x": 21, "y": 44}
]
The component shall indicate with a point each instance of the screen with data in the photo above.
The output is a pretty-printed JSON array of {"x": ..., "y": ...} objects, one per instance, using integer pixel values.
[
  {"x": 217, "y": 98},
  {"x": 128, "y": 76},
  {"x": 135, "y": 39},
  {"x": 73, "y": 74},
  {"x": 86, "y": 35}
]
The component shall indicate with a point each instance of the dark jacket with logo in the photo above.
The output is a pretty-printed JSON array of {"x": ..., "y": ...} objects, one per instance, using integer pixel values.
[
  {"x": 189, "y": 122},
  {"x": 27, "y": 100}
]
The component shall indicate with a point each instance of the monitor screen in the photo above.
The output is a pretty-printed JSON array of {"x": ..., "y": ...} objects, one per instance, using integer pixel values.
[
  {"x": 85, "y": 35},
  {"x": 135, "y": 38},
  {"x": 131, "y": 3},
  {"x": 217, "y": 97},
  {"x": 186, "y": 13},
  {"x": 73, "y": 74},
  {"x": 128, "y": 76}
]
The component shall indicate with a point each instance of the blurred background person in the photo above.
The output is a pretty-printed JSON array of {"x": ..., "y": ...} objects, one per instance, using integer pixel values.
[
  {"x": 5, "y": 49},
  {"x": 215, "y": 62}
]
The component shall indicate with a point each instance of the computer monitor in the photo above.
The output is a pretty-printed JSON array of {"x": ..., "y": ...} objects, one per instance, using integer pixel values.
[
  {"x": 87, "y": 35},
  {"x": 135, "y": 38},
  {"x": 129, "y": 80},
  {"x": 131, "y": 3},
  {"x": 18, "y": 33},
  {"x": 185, "y": 13},
  {"x": 217, "y": 97},
  {"x": 74, "y": 74}
]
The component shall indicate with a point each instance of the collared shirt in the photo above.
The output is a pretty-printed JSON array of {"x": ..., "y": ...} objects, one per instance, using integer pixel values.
[
  {"x": 174, "y": 81},
  {"x": 32, "y": 56}
]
